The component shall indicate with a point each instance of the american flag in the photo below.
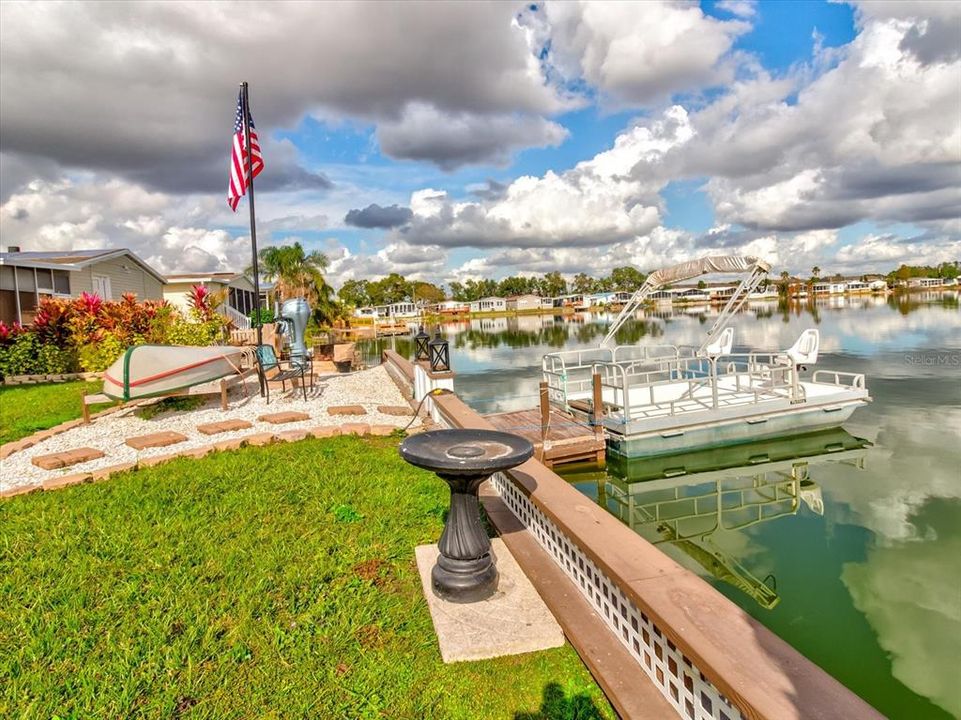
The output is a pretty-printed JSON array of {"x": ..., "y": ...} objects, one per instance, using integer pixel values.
[{"x": 237, "y": 187}]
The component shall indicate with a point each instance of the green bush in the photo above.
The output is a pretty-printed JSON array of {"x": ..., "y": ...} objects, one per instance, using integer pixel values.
[
  {"x": 20, "y": 356},
  {"x": 27, "y": 355},
  {"x": 97, "y": 356},
  {"x": 55, "y": 360},
  {"x": 203, "y": 333}
]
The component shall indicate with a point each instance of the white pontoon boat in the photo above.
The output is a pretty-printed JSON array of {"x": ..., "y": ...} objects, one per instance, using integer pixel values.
[{"x": 665, "y": 399}]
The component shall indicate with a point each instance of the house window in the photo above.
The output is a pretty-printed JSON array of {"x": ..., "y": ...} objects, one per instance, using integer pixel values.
[
  {"x": 101, "y": 286},
  {"x": 61, "y": 282}
]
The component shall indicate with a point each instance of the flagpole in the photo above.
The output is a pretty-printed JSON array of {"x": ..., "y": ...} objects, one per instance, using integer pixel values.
[{"x": 253, "y": 221}]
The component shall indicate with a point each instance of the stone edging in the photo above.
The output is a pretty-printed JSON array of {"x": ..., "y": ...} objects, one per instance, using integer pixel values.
[
  {"x": 254, "y": 439},
  {"x": 8, "y": 449},
  {"x": 55, "y": 378}
]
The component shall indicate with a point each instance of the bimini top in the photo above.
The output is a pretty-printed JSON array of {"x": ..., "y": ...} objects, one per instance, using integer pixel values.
[
  {"x": 755, "y": 267},
  {"x": 706, "y": 266}
]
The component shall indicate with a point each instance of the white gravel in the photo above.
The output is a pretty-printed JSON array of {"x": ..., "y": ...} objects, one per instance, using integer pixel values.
[{"x": 368, "y": 388}]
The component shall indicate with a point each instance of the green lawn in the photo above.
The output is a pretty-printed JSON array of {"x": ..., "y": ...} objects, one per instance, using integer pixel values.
[
  {"x": 273, "y": 582},
  {"x": 25, "y": 409}
]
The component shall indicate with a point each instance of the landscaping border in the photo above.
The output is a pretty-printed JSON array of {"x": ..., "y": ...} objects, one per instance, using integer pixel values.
[
  {"x": 55, "y": 378},
  {"x": 255, "y": 439}
]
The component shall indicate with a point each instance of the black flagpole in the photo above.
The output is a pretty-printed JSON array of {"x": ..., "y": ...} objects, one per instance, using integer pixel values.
[{"x": 253, "y": 221}]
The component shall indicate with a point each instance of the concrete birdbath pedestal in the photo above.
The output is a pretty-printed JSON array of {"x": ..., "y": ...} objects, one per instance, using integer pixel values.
[{"x": 465, "y": 571}]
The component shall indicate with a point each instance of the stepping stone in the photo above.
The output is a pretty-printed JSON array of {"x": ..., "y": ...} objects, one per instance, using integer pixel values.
[
  {"x": 355, "y": 429},
  {"x": 346, "y": 410},
  {"x": 284, "y": 417},
  {"x": 54, "y": 461},
  {"x": 160, "y": 439},
  {"x": 382, "y": 430},
  {"x": 394, "y": 410},
  {"x": 324, "y": 431},
  {"x": 223, "y": 426}
]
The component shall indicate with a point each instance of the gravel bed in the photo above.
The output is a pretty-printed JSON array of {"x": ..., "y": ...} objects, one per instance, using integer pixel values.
[{"x": 368, "y": 388}]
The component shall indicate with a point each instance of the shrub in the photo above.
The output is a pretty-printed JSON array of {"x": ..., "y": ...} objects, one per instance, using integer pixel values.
[
  {"x": 26, "y": 354},
  {"x": 266, "y": 316},
  {"x": 99, "y": 355}
]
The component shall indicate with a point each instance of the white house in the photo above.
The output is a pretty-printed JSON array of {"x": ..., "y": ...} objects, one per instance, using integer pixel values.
[
  {"x": 523, "y": 302},
  {"x": 830, "y": 288},
  {"x": 928, "y": 283},
  {"x": 451, "y": 307},
  {"x": 489, "y": 304}
]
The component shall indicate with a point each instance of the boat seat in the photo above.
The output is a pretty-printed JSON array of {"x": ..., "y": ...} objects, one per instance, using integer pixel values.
[
  {"x": 805, "y": 350},
  {"x": 723, "y": 344}
]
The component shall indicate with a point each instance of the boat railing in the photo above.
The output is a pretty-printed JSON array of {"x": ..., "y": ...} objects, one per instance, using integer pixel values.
[
  {"x": 839, "y": 378},
  {"x": 635, "y": 389}
]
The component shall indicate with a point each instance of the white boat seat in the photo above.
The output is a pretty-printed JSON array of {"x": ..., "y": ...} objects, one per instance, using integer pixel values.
[
  {"x": 723, "y": 344},
  {"x": 805, "y": 350}
]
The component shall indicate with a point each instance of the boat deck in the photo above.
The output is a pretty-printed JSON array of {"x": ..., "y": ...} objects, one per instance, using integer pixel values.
[{"x": 568, "y": 440}]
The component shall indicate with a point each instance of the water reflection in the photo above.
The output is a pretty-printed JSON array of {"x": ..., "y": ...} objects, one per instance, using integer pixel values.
[
  {"x": 880, "y": 567},
  {"x": 685, "y": 500}
]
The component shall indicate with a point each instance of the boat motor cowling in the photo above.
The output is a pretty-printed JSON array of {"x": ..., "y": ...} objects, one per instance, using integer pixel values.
[{"x": 295, "y": 313}]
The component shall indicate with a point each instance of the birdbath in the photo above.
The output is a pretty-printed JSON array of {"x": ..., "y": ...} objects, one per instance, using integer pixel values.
[{"x": 465, "y": 571}]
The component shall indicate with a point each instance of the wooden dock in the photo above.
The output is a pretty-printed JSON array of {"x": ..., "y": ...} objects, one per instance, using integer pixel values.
[{"x": 567, "y": 439}]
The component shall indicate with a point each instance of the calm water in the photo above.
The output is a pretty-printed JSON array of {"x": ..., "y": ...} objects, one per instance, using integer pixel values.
[{"x": 847, "y": 545}]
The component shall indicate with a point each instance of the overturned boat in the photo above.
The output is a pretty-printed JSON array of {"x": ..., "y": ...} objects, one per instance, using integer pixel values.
[
  {"x": 666, "y": 399},
  {"x": 145, "y": 371}
]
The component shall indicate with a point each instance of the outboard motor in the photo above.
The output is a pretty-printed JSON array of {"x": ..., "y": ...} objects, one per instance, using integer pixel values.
[{"x": 295, "y": 313}]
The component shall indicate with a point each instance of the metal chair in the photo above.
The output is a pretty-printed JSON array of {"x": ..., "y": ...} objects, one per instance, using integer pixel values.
[{"x": 267, "y": 361}]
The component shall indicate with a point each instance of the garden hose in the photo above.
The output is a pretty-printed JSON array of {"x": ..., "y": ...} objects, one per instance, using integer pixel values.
[{"x": 435, "y": 391}]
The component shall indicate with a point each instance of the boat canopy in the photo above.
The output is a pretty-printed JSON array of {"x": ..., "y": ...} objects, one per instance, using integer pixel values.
[
  {"x": 714, "y": 264},
  {"x": 720, "y": 264}
]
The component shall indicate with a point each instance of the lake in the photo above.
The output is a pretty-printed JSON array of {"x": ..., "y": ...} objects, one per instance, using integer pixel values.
[{"x": 847, "y": 545}]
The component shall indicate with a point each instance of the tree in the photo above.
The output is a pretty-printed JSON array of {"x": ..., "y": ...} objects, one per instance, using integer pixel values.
[
  {"x": 355, "y": 293},
  {"x": 627, "y": 278},
  {"x": 391, "y": 289},
  {"x": 427, "y": 292},
  {"x": 583, "y": 284},
  {"x": 294, "y": 272},
  {"x": 553, "y": 284},
  {"x": 701, "y": 285},
  {"x": 458, "y": 291},
  {"x": 815, "y": 272}
]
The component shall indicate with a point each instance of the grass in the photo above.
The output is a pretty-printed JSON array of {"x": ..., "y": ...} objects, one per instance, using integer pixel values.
[
  {"x": 25, "y": 409},
  {"x": 273, "y": 582}
]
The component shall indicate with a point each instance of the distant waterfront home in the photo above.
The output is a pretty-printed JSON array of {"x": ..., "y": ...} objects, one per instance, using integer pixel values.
[
  {"x": 489, "y": 304},
  {"x": 928, "y": 283},
  {"x": 610, "y": 298},
  {"x": 239, "y": 299},
  {"x": 857, "y": 286},
  {"x": 388, "y": 312},
  {"x": 524, "y": 302},
  {"x": 547, "y": 303},
  {"x": 451, "y": 307},
  {"x": 830, "y": 288},
  {"x": 26, "y": 277}
]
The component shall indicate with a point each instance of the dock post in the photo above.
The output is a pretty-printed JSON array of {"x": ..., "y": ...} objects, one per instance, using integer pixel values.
[
  {"x": 597, "y": 411},
  {"x": 545, "y": 405}
]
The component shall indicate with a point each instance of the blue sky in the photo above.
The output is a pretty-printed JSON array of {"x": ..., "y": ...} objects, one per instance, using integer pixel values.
[{"x": 571, "y": 136}]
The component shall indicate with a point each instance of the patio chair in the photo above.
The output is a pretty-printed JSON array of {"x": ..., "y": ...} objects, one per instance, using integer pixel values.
[{"x": 268, "y": 363}]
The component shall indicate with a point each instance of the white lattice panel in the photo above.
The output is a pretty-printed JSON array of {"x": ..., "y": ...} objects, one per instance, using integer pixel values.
[{"x": 686, "y": 689}]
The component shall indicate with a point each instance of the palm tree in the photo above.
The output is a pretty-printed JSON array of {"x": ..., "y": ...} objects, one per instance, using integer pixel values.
[
  {"x": 297, "y": 273},
  {"x": 815, "y": 271}
]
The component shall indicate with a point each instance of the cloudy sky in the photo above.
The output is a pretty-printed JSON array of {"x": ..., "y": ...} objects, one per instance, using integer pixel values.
[{"x": 455, "y": 140}]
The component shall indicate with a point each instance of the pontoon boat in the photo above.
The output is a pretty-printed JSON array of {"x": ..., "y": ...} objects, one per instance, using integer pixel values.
[{"x": 661, "y": 400}]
